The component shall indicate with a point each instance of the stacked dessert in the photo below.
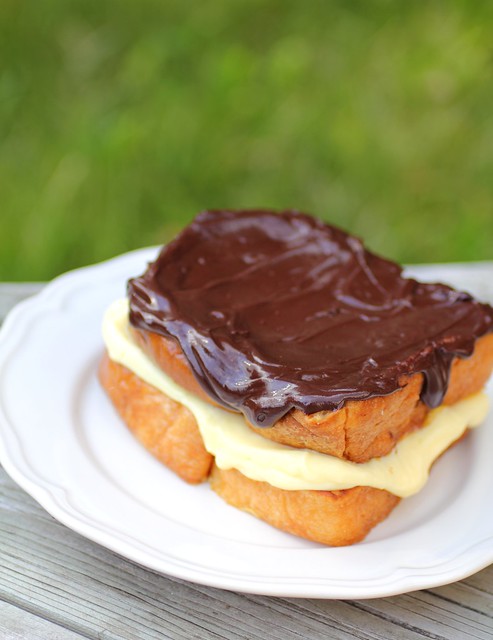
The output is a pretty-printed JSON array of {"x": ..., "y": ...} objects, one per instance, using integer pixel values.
[{"x": 303, "y": 375}]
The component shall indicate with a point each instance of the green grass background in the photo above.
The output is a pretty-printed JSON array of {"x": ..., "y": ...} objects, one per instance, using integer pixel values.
[{"x": 121, "y": 120}]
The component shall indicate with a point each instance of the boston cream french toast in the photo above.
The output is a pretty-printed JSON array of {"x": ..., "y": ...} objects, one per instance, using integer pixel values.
[{"x": 300, "y": 372}]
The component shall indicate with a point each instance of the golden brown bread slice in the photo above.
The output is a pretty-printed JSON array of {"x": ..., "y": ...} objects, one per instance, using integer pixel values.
[
  {"x": 335, "y": 518},
  {"x": 166, "y": 428},
  {"x": 362, "y": 429},
  {"x": 169, "y": 431}
]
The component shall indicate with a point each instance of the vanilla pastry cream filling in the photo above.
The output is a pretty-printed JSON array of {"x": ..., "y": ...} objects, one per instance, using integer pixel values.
[{"x": 228, "y": 438}]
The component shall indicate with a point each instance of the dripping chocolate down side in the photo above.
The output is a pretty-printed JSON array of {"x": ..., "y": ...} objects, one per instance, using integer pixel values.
[{"x": 275, "y": 311}]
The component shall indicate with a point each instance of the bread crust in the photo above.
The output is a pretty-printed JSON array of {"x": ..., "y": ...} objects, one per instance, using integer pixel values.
[
  {"x": 169, "y": 431},
  {"x": 166, "y": 428},
  {"x": 362, "y": 429},
  {"x": 335, "y": 518}
]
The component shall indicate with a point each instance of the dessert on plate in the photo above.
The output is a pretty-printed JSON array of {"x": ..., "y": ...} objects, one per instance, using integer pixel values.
[{"x": 305, "y": 377}]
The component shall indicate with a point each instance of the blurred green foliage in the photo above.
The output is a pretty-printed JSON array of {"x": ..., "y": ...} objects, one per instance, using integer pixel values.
[{"x": 121, "y": 120}]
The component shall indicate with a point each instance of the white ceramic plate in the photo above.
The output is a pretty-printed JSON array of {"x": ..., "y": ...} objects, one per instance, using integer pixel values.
[{"x": 62, "y": 442}]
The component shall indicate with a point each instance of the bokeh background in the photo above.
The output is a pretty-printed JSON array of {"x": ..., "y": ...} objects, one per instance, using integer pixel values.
[{"x": 121, "y": 120}]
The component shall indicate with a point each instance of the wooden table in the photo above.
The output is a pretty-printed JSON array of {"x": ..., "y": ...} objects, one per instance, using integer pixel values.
[{"x": 55, "y": 584}]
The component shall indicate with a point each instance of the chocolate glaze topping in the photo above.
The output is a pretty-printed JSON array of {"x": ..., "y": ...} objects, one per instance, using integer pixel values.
[{"x": 275, "y": 311}]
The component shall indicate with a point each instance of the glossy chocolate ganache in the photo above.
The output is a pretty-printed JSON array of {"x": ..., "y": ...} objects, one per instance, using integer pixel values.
[{"x": 275, "y": 311}]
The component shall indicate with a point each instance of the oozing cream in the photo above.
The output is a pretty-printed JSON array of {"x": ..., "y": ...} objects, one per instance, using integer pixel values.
[{"x": 227, "y": 437}]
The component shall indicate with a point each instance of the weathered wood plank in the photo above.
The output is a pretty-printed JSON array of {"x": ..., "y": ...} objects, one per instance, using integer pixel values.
[
  {"x": 17, "y": 624},
  {"x": 58, "y": 575},
  {"x": 433, "y": 615},
  {"x": 12, "y": 293},
  {"x": 469, "y": 593}
]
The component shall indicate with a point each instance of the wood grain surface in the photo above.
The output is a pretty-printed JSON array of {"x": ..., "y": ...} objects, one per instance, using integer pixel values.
[
  {"x": 15, "y": 621},
  {"x": 55, "y": 584}
]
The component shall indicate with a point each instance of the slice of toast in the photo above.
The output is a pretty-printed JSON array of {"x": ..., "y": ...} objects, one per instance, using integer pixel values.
[
  {"x": 335, "y": 518},
  {"x": 362, "y": 429},
  {"x": 166, "y": 428},
  {"x": 169, "y": 431}
]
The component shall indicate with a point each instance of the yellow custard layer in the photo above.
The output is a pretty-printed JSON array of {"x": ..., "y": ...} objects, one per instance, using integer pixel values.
[{"x": 228, "y": 438}]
